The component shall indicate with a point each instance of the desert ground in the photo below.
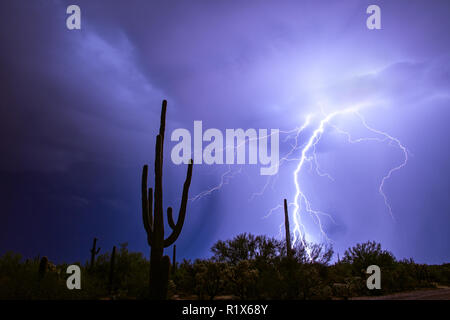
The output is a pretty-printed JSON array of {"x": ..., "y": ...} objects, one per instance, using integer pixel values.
[{"x": 440, "y": 293}]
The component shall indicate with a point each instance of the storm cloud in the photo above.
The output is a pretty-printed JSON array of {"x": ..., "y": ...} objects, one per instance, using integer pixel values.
[{"x": 80, "y": 110}]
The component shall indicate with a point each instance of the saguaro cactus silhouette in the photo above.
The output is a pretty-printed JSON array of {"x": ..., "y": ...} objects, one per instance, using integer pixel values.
[
  {"x": 94, "y": 252},
  {"x": 154, "y": 223},
  {"x": 288, "y": 232}
]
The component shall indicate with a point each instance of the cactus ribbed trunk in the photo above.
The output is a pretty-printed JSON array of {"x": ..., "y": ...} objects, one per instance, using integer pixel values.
[
  {"x": 165, "y": 267},
  {"x": 154, "y": 223},
  {"x": 157, "y": 249},
  {"x": 287, "y": 229}
]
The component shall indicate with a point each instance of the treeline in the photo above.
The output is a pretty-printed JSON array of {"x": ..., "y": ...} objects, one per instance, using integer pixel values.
[{"x": 245, "y": 267}]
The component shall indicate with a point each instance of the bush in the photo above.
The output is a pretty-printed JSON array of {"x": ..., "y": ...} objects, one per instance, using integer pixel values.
[{"x": 245, "y": 267}]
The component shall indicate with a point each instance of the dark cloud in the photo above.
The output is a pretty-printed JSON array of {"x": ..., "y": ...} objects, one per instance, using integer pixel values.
[{"x": 79, "y": 112}]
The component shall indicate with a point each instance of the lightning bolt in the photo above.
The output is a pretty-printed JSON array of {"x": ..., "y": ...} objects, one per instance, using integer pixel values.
[
  {"x": 229, "y": 174},
  {"x": 301, "y": 204},
  {"x": 395, "y": 141},
  {"x": 301, "y": 201},
  {"x": 224, "y": 179},
  {"x": 299, "y": 231},
  {"x": 286, "y": 157}
]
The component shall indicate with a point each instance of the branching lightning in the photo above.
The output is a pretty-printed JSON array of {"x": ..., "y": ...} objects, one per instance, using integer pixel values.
[
  {"x": 306, "y": 153},
  {"x": 300, "y": 199},
  {"x": 224, "y": 179}
]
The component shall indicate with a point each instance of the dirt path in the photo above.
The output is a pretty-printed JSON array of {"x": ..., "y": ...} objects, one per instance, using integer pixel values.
[{"x": 442, "y": 293}]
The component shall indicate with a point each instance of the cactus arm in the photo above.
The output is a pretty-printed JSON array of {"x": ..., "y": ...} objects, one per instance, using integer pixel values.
[
  {"x": 162, "y": 125},
  {"x": 170, "y": 218},
  {"x": 182, "y": 213},
  {"x": 158, "y": 223},
  {"x": 98, "y": 250},
  {"x": 147, "y": 201},
  {"x": 144, "y": 198},
  {"x": 93, "y": 246},
  {"x": 159, "y": 155},
  {"x": 150, "y": 208},
  {"x": 150, "y": 216}
]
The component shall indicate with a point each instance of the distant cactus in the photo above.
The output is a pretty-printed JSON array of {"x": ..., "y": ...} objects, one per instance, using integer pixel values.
[
  {"x": 154, "y": 224},
  {"x": 43, "y": 267},
  {"x": 111, "y": 269},
  {"x": 288, "y": 232},
  {"x": 94, "y": 252}
]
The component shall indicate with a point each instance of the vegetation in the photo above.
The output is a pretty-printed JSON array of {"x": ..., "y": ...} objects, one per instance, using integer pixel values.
[{"x": 245, "y": 267}]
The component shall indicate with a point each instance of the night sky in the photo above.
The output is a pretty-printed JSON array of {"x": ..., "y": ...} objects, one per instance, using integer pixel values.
[{"x": 80, "y": 112}]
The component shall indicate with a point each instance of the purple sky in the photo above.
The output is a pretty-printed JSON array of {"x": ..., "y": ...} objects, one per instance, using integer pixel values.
[{"x": 80, "y": 109}]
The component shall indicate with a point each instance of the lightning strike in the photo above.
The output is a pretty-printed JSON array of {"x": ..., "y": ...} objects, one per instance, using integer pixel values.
[
  {"x": 300, "y": 199},
  {"x": 224, "y": 179},
  {"x": 299, "y": 231},
  {"x": 301, "y": 203}
]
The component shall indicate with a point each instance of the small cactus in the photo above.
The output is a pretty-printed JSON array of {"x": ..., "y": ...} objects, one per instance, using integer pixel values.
[
  {"x": 94, "y": 252},
  {"x": 288, "y": 232}
]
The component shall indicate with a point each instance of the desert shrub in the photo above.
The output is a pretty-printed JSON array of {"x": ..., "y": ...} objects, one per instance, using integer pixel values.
[
  {"x": 245, "y": 247},
  {"x": 184, "y": 278},
  {"x": 131, "y": 274},
  {"x": 132, "y": 270},
  {"x": 243, "y": 278},
  {"x": 404, "y": 276},
  {"x": 22, "y": 280},
  {"x": 269, "y": 281},
  {"x": 307, "y": 252},
  {"x": 440, "y": 274},
  {"x": 17, "y": 280},
  {"x": 370, "y": 253},
  {"x": 245, "y": 267},
  {"x": 260, "y": 268},
  {"x": 210, "y": 278}
]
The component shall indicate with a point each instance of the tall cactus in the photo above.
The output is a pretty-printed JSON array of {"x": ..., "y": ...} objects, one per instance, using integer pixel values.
[
  {"x": 154, "y": 223},
  {"x": 94, "y": 252},
  {"x": 288, "y": 232}
]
